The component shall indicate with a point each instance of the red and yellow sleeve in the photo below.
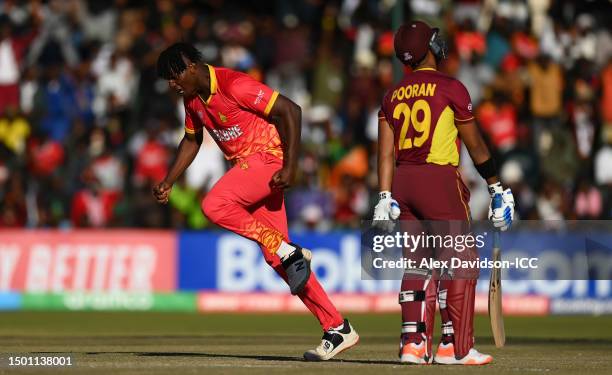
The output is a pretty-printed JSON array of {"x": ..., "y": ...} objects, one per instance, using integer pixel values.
[
  {"x": 253, "y": 95},
  {"x": 189, "y": 124},
  {"x": 192, "y": 123}
]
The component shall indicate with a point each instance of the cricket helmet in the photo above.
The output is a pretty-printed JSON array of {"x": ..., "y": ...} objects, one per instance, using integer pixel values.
[{"x": 413, "y": 40}]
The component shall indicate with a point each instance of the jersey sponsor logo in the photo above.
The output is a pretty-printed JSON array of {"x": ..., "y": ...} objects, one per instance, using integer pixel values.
[
  {"x": 409, "y": 91},
  {"x": 225, "y": 135},
  {"x": 469, "y": 107},
  {"x": 259, "y": 97},
  {"x": 222, "y": 117}
]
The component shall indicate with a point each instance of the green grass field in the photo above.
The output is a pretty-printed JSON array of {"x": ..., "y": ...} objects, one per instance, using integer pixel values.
[{"x": 169, "y": 343}]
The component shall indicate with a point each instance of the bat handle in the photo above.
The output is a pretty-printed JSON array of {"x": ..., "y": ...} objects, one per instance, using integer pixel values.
[{"x": 496, "y": 239}]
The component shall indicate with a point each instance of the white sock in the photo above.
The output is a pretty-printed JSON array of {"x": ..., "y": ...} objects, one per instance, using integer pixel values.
[
  {"x": 339, "y": 327},
  {"x": 284, "y": 250}
]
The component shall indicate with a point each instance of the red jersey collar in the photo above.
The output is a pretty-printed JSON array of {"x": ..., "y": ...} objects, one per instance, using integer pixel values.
[{"x": 213, "y": 84}]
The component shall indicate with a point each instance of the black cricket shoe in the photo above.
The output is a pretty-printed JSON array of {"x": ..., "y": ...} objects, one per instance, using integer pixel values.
[
  {"x": 297, "y": 268},
  {"x": 334, "y": 342}
]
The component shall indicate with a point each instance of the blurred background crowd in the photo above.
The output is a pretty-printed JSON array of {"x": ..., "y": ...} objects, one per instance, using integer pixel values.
[{"x": 86, "y": 127}]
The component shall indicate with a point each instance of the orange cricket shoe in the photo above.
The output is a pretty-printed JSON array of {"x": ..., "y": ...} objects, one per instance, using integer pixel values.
[
  {"x": 412, "y": 353},
  {"x": 445, "y": 355}
]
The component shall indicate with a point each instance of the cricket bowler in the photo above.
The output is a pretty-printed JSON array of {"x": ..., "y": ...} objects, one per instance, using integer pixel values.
[
  {"x": 418, "y": 155},
  {"x": 258, "y": 130}
]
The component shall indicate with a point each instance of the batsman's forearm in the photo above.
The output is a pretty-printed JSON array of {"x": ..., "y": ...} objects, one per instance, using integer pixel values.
[
  {"x": 385, "y": 171},
  {"x": 187, "y": 151},
  {"x": 476, "y": 146},
  {"x": 386, "y": 155},
  {"x": 479, "y": 152}
]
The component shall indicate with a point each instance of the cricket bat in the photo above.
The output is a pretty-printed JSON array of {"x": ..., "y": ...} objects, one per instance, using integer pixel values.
[{"x": 495, "y": 297}]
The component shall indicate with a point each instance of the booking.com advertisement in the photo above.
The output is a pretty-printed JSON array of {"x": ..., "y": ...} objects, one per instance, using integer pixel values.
[{"x": 545, "y": 268}]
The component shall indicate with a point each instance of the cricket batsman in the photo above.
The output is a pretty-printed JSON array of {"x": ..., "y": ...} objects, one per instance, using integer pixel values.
[
  {"x": 418, "y": 155},
  {"x": 258, "y": 130}
]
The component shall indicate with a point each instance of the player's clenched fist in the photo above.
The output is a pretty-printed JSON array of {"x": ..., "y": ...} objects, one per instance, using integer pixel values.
[
  {"x": 161, "y": 192},
  {"x": 283, "y": 178}
]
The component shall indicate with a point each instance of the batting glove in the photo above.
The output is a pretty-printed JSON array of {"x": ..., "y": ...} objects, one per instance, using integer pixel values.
[
  {"x": 385, "y": 211},
  {"x": 501, "y": 209}
]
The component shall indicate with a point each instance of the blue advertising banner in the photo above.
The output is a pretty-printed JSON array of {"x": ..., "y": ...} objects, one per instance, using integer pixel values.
[
  {"x": 221, "y": 261},
  {"x": 570, "y": 264},
  {"x": 225, "y": 262}
]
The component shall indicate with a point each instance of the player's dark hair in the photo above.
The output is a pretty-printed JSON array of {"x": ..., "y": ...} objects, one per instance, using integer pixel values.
[{"x": 171, "y": 62}]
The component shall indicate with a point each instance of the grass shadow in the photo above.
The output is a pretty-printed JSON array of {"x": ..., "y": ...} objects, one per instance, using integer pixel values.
[{"x": 258, "y": 357}]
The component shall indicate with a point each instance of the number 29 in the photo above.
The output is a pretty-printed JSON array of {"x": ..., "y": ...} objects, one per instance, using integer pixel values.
[{"x": 411, "y": 116}]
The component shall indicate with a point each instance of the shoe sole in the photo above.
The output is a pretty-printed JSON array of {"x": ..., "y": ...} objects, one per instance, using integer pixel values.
[
  {"x": 410, "y": 359},
  {"x": 347, "y": 346},
  {"x": 453, "y": 361},
  {"x": 307, "y": 254}
]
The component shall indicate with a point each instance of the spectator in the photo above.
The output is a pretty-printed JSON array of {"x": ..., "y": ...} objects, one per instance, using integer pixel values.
[
  {"x": 551, "y": 203},
  {"x": 328, "y": 80},
  {"x": 606, "y": 101},
  {"x": 92, "y": 206},
  {"x": 556, "y": 42},
  {"x": 512, "y": 173},
  {"x": 509, "y": 80},
  {"x": 84, "y": 85},
  {"x": 151, "y": 160},
  {"x": 603, "y": 161},
  {"x": 469, "y": 41},
  {"x": 186, "y": 202},
  {"x": 588, "y": 202},
  {"x": 12, "y": 49},
  {"x": 45, "y": 155},
  {"x": 78, "y": 80},
  {"x": 107, "y": 169},
  {"x": 498, "y": 120},
  {"x": 310, "y": 208},
  {"x": 498, "y": 44},
  {"x": 475, "y": 75},
  {"x": 55, "y": 104},
  {"x": 545, "y": 91},
  {"x": 14, "y": 131},
  {"x": 115, "y": 86},
  {"x": 13, "y": 211},
  {"x": 582, "y": 117}
]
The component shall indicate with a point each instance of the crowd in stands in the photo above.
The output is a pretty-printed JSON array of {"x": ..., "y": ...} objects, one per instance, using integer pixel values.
[{"x": 86, "y": 126}]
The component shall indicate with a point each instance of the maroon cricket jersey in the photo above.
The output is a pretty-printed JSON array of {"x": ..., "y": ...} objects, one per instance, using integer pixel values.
[{"x": 424, "y": 110}]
